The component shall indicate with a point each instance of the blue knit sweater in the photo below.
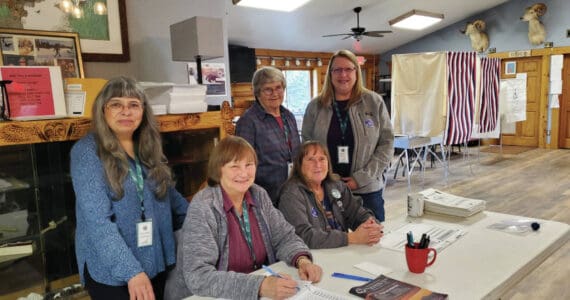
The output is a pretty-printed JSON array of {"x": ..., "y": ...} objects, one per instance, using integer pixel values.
[{"x": 105, "y": 237}]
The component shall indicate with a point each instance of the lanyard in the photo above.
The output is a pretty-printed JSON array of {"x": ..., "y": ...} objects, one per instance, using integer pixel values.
[
  {"x": 246, "y": 231},
  {"x": 287, "y": 137},
  {"x": 137, "y": 177},
  {"x": 343, "y": 121}
]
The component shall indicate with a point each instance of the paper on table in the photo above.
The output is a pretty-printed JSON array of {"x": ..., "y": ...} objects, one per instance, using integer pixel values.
[
  {"x": 440, "y": 236},
  {"x": 311, "y": 292},
  {"x": 373, "y": 268}
]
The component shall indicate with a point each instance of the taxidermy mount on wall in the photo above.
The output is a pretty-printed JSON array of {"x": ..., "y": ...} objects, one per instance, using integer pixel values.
[
  {"x": 476, "y": 32},
  {"x": 536, "y": 31}
]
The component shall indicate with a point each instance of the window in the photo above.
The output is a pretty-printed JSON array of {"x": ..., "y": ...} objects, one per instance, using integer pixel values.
[{"x": 298, "y": 93}]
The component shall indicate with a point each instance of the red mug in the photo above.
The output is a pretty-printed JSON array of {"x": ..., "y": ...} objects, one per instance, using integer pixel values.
[{"x": 417, "y": 258}]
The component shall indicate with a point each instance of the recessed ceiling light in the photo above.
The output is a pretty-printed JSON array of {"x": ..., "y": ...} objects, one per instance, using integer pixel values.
[
  {"x": 288, "y": 5},
  {"x": 416, "y": 20}
]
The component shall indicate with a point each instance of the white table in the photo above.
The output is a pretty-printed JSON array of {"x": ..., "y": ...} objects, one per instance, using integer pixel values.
[
  {"x": 482, "y": 264},
  {"x": 417, "y": 145}
]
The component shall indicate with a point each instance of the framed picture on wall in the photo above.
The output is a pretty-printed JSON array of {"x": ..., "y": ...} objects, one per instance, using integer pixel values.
[
  {"x": 42, "y": 48},
  {"x": 102, "y": 25},
  {"x": 213, "y": 76},
  {"x": 510, "y": 67}
]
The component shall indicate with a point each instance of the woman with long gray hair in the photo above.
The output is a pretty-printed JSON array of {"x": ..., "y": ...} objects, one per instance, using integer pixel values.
[{"x": 126, "y": 204}]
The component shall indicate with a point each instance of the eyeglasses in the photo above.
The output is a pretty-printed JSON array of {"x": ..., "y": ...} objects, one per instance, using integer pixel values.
[
  {"x": 269, "y": 91},
  {"x": 338, "y": 71},
  {"x": 116, "y": 107}
]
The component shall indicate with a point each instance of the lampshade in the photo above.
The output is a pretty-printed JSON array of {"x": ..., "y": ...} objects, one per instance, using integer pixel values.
[
  {"x": 197, "y": 37},
  {"x": 416, "y": 20}
]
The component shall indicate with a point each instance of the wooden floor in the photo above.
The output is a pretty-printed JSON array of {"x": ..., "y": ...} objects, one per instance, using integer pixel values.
[{"x": 535, "y": 183}]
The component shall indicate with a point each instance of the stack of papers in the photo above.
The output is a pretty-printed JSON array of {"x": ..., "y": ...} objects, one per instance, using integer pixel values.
[
  {"x": 436, "y": 201},
  {"x": 167, "y": 97}
]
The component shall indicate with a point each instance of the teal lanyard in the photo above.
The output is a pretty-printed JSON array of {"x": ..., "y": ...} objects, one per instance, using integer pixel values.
[
  {"x": 246, "y": 230},
  {"x": 343, "y": 121},
  {"x": 137, "y": 177}
]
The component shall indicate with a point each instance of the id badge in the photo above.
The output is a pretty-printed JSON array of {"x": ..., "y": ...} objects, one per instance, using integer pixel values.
[
  {"x": 144, "y": 233},
  {"x": 289, "y": 168},
  {"x": 342, "y": 154}
]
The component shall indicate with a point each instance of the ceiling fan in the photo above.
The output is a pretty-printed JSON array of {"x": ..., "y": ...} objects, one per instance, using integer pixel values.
[{"x": 359, "y": 32}]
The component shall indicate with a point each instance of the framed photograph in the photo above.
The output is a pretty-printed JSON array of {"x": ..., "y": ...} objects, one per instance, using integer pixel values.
[
  {"x": 103, "y": 37},
  {"x": 213, "y": 77},
  {"x": 510, "y": 67},
  {"x": 42, "y": 48}
]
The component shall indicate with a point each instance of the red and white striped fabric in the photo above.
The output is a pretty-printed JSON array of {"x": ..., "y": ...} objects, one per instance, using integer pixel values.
[
  {"x": 461, "y": 75},
  {"x": 490, "y": 82}
]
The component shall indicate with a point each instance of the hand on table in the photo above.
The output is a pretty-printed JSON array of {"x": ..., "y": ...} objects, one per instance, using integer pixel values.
[
  {"x": 368, "y": 233},
  {"x": 309, "y": 271}
]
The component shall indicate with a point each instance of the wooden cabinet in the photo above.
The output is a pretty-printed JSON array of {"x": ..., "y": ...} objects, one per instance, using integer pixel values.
[{"x": 37, "y": 202}]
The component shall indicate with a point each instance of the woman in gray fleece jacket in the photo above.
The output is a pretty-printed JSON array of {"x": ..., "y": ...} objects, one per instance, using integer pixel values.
[
  {"x": 321, "y": 207},
  {"x": 231, "y": 229}
]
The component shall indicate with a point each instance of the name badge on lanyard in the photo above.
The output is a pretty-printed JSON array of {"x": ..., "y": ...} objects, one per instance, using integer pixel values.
[
  {"x": 144, "y": 227},
  {"x": 289, "y": 168},
  {"x": 342, "y": 154},
  {"x": 144, "y": 233}
]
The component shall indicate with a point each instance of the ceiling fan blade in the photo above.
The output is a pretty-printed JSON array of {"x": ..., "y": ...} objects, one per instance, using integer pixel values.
[
  {"x": 339, "y": 34},
  {"x": 379, "y": 31},
  {"x": 373, "y": 34},
  {"x": 346, "y": 37}
]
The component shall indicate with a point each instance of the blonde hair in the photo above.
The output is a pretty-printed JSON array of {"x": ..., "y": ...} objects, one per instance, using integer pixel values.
[
  {"x": 327, "y": 93},
  {"x": 229, "y": 149},
  {"x": 146, "y": 139}
]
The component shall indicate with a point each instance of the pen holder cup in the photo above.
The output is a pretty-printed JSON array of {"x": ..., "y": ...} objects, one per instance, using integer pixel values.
[{"x": 417, "y": 259}]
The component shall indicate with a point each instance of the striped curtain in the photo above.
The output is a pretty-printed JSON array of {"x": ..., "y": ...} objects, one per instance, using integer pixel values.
[
  {"x": 490, "y": 81},
  {"x": 461, "y": 75}
]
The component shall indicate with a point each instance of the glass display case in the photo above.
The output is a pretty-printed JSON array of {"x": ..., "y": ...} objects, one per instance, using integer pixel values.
[{"x": 36, "y": 218}]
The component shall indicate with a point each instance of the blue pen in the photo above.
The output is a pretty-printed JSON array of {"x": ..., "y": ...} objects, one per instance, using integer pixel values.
[
  {"x": 271, "y": 272},
  {"x": 353, "y": 277}
]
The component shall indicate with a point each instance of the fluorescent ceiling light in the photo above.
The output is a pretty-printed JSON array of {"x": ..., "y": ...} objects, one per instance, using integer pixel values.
[
  {"x": 281, "y": 5},
  {"x": 416, "y": 20}
]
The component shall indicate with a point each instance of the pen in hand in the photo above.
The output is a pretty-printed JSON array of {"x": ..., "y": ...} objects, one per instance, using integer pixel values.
[
  {"x": 271, "y": 272},
  {"x": 275, "y": 274}
]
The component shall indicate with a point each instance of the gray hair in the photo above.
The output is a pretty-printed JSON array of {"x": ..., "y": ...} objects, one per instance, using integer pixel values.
[
  {"x": 266, "y": 75},
  {"x": 147, "y": 140}
]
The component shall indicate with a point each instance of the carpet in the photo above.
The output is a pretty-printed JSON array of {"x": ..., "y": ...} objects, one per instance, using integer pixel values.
[{"x": 507, "y": 149}]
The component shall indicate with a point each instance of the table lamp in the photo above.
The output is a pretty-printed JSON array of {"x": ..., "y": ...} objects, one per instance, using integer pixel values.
[{"x": 197, "y": 39}]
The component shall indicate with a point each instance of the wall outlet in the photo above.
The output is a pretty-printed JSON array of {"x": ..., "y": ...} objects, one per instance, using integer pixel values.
[
  {"x": 548, "y": 44},
  {"x": 492, "y": 50}
]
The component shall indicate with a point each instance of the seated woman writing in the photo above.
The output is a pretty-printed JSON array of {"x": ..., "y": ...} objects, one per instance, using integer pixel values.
[
  {"x": 321, "y": 207},
  {"x": 232, "y": 229}
]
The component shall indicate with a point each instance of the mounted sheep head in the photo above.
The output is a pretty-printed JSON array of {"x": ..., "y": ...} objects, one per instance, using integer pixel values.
[
  {"x": 536, "y": 31},
  {"x": 476, "y": 32}
]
